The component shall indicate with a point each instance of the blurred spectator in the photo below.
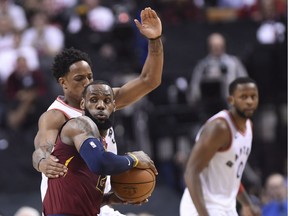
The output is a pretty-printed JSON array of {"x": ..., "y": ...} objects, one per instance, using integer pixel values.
[
  {"x": 272, "y": 29},
  {"x": 46, "y": 38},
  {"x": 98, "y": 17},
  {"x": 181, "y": 11},
  {"x": 212, "y": 75},
  {"x": 16, "y": 13},
  {"x": 94, "y": 24},
  {"x": 59, "y": 11},
  {"x": 9, "y": 56},
  {"x": 25, "y": 100},
  {"x": 275, "y": 200},
  {"x": 237, "y": 4},
  {"x": 24, "y": 95},
  {"x": 6, "y": 33},
  {"x": 267, "y": 63},
  {"x": 26, "y": 211}
]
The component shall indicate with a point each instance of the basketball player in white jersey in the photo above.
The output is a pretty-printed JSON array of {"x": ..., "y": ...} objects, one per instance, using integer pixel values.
[
  {"x": 72, "y": 70},
  {"x": 216, "y": 163}
]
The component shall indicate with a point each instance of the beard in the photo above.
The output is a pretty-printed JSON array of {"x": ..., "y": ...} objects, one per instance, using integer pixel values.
[
  {"x": 103, "y": 124},
  {"x": 243, "y": 114}
]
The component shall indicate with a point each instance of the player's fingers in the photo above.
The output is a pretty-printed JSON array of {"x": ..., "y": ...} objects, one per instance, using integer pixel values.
[
  {"x": 51, "y": 176},
  {"x": 153, "y": 14},
  {"x": 53, "y": 158},
  {"x": 152, "y": 167},
  {"x": 144, "y": 15},
  {"x": 138, "y": 24},
  {"x": 55, "y": 173},
  {"x": 57, "y": 170},
  {"x": 140, "y": 203},
  {"x": 149, "y": 12}
]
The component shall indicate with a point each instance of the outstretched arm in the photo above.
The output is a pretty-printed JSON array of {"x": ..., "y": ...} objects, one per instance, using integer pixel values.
[
  {"x": 49, "y": 124},
  {"x": 150, "y": 77}
]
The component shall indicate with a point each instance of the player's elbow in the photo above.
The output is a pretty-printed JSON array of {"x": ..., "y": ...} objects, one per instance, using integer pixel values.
[
  {"x": 151, "y": 82},
  {"x": 154, "y": 83},
  {"x": 189, "y": 174}
]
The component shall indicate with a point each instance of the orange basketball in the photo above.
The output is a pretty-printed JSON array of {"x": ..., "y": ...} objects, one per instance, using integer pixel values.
[{"x": 134, "y": 185}]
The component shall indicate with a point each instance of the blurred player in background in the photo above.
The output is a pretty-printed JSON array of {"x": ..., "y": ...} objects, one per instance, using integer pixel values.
[{"x": 215, "y": 167}]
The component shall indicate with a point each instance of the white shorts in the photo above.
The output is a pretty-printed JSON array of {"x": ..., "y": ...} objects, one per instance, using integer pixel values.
[
  {"x": 187, "y": 208},
  {"x": 108, "y": 211}
]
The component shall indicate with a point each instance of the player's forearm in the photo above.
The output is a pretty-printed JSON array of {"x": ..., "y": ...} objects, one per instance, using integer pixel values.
[
  {"x": 195, "y": 189},
  {"x": 39, "y": 154},
  {"x": 243, "y": 197},
  {"x": 153, "y": 67},
  {"x": 102, "y": 162},
  {"x": 198, "y": 200}
]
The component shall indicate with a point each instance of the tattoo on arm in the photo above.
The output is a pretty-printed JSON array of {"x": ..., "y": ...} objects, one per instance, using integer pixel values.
[
  {"x": 155, "y": 47},
  {"x": 86, "y": 127},
  {"x": 40, "y": 153}
]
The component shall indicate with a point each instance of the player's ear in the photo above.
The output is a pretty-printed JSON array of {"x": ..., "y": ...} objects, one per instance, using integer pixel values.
[
  {"x": 61, "y": 81},
  {"x": 230, "y": 100},
  {"x": 82, "y": 104}
]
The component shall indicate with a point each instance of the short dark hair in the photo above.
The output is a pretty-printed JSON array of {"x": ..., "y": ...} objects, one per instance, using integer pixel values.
[
  {"x": 97, "y": 82},
  {"x": 65, "y": 59},
  {"x": 240, "y": 80}
]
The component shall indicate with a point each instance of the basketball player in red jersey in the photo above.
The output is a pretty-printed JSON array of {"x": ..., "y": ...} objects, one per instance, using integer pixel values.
[
  {"x": 72, "y": 69},
  {"x": 80, "y": 145}
]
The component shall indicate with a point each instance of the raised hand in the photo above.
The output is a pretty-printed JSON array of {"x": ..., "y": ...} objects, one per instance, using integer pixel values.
[{"x": 150, "y": 25}]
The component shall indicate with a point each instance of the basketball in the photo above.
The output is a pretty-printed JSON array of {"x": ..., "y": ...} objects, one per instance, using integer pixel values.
[{"x": 134, "y": 185}]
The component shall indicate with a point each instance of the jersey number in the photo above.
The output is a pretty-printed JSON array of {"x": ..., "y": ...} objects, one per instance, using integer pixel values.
[
  {"x": 101, "y": 183},
  {"x": 240, "y": 169}
]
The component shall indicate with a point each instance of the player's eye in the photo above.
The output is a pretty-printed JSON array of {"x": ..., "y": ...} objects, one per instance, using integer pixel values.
[
  {"x": 108, "y": 100},
  {"x": 93, "y": 100}
]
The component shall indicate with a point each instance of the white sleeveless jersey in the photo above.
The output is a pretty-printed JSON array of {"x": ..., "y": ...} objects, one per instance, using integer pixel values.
[
  {"x": 71, "y": 112},
  {"x": 222, "y": 177}
]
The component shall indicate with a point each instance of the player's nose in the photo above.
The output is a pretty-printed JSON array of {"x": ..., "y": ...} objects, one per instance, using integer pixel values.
[{"x": 100, "y": 104}]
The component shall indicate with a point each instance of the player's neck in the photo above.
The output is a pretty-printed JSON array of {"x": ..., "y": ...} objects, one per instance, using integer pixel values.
[
  {"x": 72, "y": 102},
  {"x": 238, "y": 120}
]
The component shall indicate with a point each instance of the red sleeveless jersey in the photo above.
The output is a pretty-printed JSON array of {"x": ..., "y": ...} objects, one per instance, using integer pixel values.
[{"x": 79, "y": 192}]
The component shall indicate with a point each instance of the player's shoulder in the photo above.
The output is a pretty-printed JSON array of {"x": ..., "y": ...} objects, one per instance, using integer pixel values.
[
  {"x": 219, "y": 124},
  {"x": 81, "y": 124},
  {"x": 82, "y": 121},
  {"x": 53, "y": 116}
]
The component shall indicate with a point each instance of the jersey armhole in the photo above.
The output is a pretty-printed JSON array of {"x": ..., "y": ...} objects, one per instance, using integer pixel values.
[{"x": 223, "y": 149}]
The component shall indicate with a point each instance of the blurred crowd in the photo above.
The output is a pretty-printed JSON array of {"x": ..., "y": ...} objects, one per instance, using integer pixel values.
[{"x": 33, "y": 31}]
